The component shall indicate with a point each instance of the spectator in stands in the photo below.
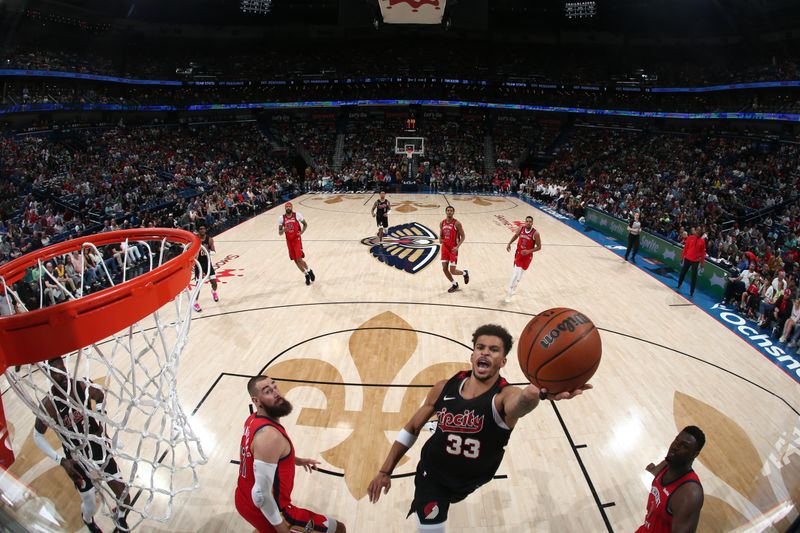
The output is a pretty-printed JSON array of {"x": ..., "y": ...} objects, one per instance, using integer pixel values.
[
  {"x": 769, "y": 298},
  {"x": 737, "y": 283}
]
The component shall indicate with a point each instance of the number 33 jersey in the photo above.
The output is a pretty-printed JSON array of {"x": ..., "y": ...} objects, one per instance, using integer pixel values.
[{"x": 470, "y": 437}]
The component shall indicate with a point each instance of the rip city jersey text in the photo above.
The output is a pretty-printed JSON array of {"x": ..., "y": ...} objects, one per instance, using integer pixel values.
[{"x": 468, "y": 445}]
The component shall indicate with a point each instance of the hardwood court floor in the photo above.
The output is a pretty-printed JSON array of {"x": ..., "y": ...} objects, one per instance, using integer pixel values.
[{"x": 354, "y": 352}]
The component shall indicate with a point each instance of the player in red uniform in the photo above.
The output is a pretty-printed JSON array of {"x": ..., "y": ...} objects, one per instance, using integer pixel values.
[
  {"x": 676, "y": 496},
  {"x": 266, "y": 471},
  {"x": 290, "y": 223},
  {"x": 476, "y": 411},
  {"x": 528, "y": 243},
  {"x": 451, "y": 237}
]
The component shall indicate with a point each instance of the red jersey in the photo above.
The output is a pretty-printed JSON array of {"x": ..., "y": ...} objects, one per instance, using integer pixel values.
[
  {"x": 291, "y": 226},
  {"x": 284, "y": 476},
  {"x": 449, "y": 233},
  {"x": 659, "y": 515},
  {"x": 525, "y": 241}
]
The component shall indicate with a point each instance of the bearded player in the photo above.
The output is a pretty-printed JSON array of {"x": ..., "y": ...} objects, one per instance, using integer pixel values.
[
  {"x": 266, "y": 476},
  {"x": 528, "y": 243},
  {"x": 293, "y": 225}
]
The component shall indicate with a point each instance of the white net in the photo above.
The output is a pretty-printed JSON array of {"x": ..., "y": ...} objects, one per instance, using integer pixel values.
[{"x": 114, "y": 404}]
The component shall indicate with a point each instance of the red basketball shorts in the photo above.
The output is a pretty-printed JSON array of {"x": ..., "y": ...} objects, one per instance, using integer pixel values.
[
  {"x": 448, "y": 255},
  {"x": 296, "y": 518},
  {"x": 295, "y": 249},
  {"x": 523, "y": 261}
]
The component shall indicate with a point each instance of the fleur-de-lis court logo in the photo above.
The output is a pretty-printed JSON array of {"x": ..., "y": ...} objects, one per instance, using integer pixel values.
[
  {"x": 380, "y": 348},
  {"x": 479, "y": 200},
  {"x": 407, "y": 247},
  {"x": 339, "y": 198},
  {"x": 409, "y": 206},
  {"x": 730, "y": 455}
]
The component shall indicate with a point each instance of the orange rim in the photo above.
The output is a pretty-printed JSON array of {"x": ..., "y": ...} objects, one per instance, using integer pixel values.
[{"x": 45, "y": 333}]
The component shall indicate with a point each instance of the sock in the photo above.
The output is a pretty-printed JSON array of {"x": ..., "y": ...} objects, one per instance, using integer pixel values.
[
  {"x": 88, "y": 505},
  {"x": 515, "y": 278}
]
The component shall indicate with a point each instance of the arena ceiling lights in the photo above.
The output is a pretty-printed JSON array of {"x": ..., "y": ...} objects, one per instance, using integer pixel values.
[{"x": 412, "y": 11}]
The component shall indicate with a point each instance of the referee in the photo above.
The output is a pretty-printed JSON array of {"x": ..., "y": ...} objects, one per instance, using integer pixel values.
[
  {"x": 380, "y": 210},
  {"x": 634, "y": 229}
]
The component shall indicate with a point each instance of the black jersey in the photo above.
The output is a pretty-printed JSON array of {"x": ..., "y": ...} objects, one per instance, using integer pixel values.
[
  {"x": 381, "y": 208},
  {"x": 204, "y": 243},
  {"x": 470, "y": 437},
  {"x": 73, "y": 418}
]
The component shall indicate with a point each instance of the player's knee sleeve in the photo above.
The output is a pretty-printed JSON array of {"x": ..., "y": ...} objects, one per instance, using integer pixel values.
[{"x": 88, "y": 505}]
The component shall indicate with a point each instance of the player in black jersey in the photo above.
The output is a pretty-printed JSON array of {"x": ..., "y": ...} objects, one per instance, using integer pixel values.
[
  {"x": 476, "y": 412},
  {"x": 380, "y": 210},
  {"x": 62, "y": 413},
  {"x": 208, "y": 249}
]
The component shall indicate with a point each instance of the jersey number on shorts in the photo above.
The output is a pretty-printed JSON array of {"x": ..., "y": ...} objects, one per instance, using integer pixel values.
[{"x": 469, "y": 448}]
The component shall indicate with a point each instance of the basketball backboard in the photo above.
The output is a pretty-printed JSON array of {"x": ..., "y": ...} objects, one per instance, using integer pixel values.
[{"x": 402, "y": 144}]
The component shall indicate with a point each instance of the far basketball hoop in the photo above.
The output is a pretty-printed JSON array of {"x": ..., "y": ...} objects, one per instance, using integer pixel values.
[{"x": 416, "y": 145}]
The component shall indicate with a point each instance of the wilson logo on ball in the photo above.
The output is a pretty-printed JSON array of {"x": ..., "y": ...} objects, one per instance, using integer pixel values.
[
  {"x": 559, "y": 349},
  {"x": 570, "y": 324}
]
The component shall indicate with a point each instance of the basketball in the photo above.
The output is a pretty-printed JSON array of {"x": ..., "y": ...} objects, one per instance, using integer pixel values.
[{"x": 559, "y": 350}]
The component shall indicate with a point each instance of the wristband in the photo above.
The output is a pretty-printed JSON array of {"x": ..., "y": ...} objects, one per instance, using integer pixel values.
[{"x": 405, "y": 438}]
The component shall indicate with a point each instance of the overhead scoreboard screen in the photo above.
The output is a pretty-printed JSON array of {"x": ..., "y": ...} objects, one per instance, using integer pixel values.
[{"x": 412, "y": 11}]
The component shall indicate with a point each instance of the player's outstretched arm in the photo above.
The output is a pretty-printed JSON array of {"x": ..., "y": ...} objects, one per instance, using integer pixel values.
[
  {"x": 517, "y": 402},
  {"x": 405, "y": 439}
]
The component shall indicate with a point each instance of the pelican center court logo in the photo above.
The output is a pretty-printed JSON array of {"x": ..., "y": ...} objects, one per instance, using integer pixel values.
[{"x": 408, "y": 247}]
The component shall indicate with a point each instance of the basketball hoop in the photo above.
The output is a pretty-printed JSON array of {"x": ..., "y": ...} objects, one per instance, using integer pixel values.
[
  {"x": 123, "y": 339},
  {"x": 410, "y": 152}
]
